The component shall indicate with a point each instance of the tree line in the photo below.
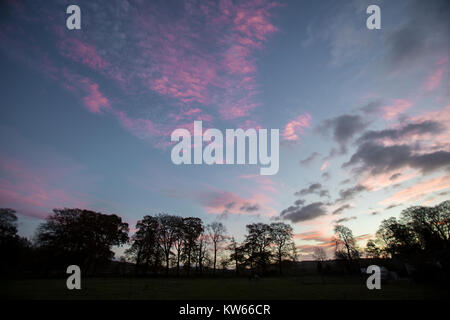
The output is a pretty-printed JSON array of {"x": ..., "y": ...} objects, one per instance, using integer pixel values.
[
  {"x": 180, "y": 242},
  {"x": 167, "y": 243},
  {"x": 420, "y": 238},
  {"x": 161, "y": 242}
]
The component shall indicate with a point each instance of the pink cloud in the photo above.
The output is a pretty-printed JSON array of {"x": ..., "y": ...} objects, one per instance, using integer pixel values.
[
  {"x": 434, "y": 79},
  {"x": 317, "y": 236},
  {"x": 325, "y": 165},
  {"x": 140, "y": 127},
  {"x": 222, "y": 76},
  {"x": 81, "y": 52},
  {"x": 31, "y": 191},
  {"x": 440, "y": 141},
  {"x": 95, "y": 101},
  {"x": 419, "y": 190},
  {"x": 429, "y": 142},
  {"x": 386, "y": 179},
  {"x": 398, "y": 107},
  {"x": 295, "y": 127},
  {"x": 263, "y": 183},
  {"x": 220, "y": 202},
  {"x": 202, "y": 58}
]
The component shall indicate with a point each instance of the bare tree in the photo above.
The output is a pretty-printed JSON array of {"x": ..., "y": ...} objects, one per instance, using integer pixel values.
[
  {"x": 167, "y": 226},
  {"x": 193, "y": 228},
  {"x": 293, "y": 252},
  {"x": 180, "y": 235},
  {"x": 145, "y": 248},
  {"x": 202, "y": 250},
  {"x": 217, "y": 235},
  {"x": 345, "y": 243},
  {"x": 319, "y": 254},
  {"x": 281, "y": 234},
  {"x": 257, "y": 245}
]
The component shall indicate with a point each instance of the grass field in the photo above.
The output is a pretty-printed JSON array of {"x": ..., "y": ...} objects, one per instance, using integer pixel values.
[{"x": 302, "y": 288}]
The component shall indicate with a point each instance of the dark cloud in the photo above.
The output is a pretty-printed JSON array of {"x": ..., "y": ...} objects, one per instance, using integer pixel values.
[
  {"x": 343, "y": 129},
  {"x": 324, "y": 193},
  {"x": 299, "y": 202},
  {"x": 374, "y": 213},
  {"x": 373, "y": 107},
  {"x": 341, "y": 208},
  {"x": 395, "y": 176},
  {"x": 426, "y": 32},
  {"x": 431, "y": 161},
  {"x": 375, "y": 158},
  {"x": 326, "y": 175},
  {"x": 424, "y": 127},
  {"x": 345, "y": 181},
  {"x": 247, "y": 207},
  {"x": 230, "y": 205},
  {"x": 308, "y": 212},
  {"x": 314, "y": 188},
  {"x": 394, "y": 205},
  {"x": 345, "y": 219},
  {"x": 350, "y": 193},
  {"x": 313, "y": 156}
]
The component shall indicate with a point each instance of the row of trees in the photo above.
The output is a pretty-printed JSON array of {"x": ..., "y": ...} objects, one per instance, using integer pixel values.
[
  {"x": 263, "y": 245},
  {"x": 86, "y": 238},
  {"x": 173, "y": 239},
  {"x": 421, "y": 236},
  {"x": 184, "y": 241}
]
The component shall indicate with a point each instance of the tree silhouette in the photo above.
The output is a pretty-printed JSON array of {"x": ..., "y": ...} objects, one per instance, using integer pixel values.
[
  {"x": 345, "y": 244},
  {"x": 217, "y": 235},
  {"x": 12, "y": 246},
  {"x": 8, "y": 224},
  {"x": 420, "y": 237},
  {"x": 167, "y": 232},
  {"x": 82, "y": 236},
  {"x": 237, "y": 254},
  {"x": 180, "y": 235},
  {"x": 319, "y": 254},
  {"x": 257, "y": 244},
  {"x": 372, "y": 249},
  {"x": 202, "y": 250},
  {"x": 145, "y": 247},
  {"x": 193, "y": 228},
  {"x": 281, "y": 236}
]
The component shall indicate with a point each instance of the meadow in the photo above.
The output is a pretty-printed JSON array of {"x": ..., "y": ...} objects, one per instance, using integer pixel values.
[{"x": 281, "y": 288}]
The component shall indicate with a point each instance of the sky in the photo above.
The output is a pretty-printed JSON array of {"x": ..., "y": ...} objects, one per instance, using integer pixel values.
[{"x": 86, "y": 115}]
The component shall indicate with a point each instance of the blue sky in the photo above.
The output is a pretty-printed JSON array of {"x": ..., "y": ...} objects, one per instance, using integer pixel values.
[{"x": 86, "y": 115}]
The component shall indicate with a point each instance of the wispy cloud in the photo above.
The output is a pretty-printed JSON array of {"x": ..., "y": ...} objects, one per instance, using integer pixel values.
[{"x": 294, "y": 128}]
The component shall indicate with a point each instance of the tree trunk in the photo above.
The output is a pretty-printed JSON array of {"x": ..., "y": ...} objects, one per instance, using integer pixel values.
[
  {"x": 167, "y": 265},
  {"x": 189, "y": 262},
  {"x": 279, "y": 261},
  {"x": 236, "y": 260},
  {"x": 215, "y": 257},
  {"x": 178, "y": 263}
]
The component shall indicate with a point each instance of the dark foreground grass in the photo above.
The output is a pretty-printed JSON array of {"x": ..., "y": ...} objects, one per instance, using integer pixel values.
[{"x": 297, "y": 288}]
